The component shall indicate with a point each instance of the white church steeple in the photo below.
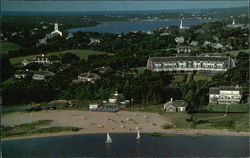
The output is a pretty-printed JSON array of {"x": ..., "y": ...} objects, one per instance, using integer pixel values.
[{"x": 181, "y": 27}]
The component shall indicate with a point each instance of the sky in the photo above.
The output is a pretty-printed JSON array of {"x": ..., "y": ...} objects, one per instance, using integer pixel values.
[{"x": 59, "y": 6}]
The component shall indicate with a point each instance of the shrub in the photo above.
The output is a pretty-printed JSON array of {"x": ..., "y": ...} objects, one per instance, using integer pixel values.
[{"x": 167, "y": 126}]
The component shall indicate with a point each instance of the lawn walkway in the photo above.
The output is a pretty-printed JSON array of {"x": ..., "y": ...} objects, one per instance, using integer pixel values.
[{"x": 212, "y": 118}]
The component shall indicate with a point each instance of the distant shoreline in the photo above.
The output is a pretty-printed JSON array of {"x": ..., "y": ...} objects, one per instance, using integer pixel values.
[
  {"x": 189, "y": 132},
  {"x": 135, "y": 12}
]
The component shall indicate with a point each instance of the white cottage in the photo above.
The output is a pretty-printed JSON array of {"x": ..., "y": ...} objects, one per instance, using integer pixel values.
[{"x": 225, "y": 95}]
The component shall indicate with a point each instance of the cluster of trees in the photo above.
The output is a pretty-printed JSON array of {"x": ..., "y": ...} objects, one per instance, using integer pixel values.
[
  {"x": 150, "y": 88},
  {"x": 144, "y": 88},
  {"x": 139, "y": 43},
  {"x": 25, "y": 91},
  {"x": 130, "y": 50},
  {"x": 26, "y": 32},
  {"x": 6, "y": 68},
  {"x": 237, "y": 75}
]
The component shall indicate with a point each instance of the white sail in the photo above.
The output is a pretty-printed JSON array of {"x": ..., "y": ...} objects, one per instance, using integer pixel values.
[
  {"x": 138, "y": 135},
  {"x": 109, "y": 140}
]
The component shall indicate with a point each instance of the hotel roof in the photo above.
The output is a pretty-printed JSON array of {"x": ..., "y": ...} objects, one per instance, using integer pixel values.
[{"x": 176, "y": 58}]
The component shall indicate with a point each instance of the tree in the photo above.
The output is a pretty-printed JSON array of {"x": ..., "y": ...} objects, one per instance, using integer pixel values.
[
  {"x": 7, "y": 69},
  {"x": 68, "y": 58}
]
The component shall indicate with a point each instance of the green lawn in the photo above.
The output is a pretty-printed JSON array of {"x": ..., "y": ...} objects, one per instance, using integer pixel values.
[
  {"x": 235, "y": 53},
  {"x": 233, "y": 121},
  {"x": 7, "y": 46},
  {"x": 202, "y": 77},
  {"x": 83, "y": 54},
  {"x": 140, "y": 69},
  {"x": 221, "y": 108},
  {"x": 179, "y": 119},
  {"x": 36, "y": 127},
  {"x": 178, "y": 78},
  {"x": 146, "y": 108}
]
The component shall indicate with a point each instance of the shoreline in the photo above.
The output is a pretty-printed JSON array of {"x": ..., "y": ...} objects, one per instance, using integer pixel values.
[
  {"x": 102, "y": 122},
  {"x": 188, "y": 132}
]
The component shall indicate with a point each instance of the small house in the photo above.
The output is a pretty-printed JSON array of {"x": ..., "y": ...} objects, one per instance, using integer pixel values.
[
  {"x": 88, "y": 77},
  {"x": 217, "y": 45},
  {"x": 103, "y": 69},
  {"x": 94, "y": 41},
  {"x": 42, "y": 75},
  {"x": 206, "y": 43},
  {"x": 116, "y": 101},
  {"x": 21, "y": 74},
  {"x": 179, "y": 40},
  {"x": 184, "y": 49},
  {"x": 93, "y": 106},
  {"x": 25, "y": 62},
  {"x": 175, "y": 106},
  {"x": 194, "y": 43}
]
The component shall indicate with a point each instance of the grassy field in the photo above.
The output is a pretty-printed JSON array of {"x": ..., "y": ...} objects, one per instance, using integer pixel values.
[
  {"x": 7, "y": 46},
  {"x": 146, "y": 108},
  {"x": 235, "y": 122},
  {"x": 178, "y": 78},
  {"x": 140, "y": 69},
  {"x": 179, "y": 118},
  {"x": 235, "y": 53},
  {"x": 36, "y": 127},
  {"x": 221, "y": 108},
  {"x": 83, "y": 54},
  {"x": 202, "y": 77}
]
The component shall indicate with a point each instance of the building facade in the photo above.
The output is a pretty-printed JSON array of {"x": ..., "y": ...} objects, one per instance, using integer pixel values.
[
  {"x": 187, "y": 63},
  {"x": 44, "y": 60},
  {"x": 175, "y": 106},
  {"x": 116, "y": 100},
  {"x": 88, "y": 77},
  {"x": 42, "y": 75},
  {"x": 225, "y": 95}
]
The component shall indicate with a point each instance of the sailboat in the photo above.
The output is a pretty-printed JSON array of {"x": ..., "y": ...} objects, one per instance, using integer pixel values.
[
  {"x": 109, "y": 140},
  {"x": 138, "y": 135}
]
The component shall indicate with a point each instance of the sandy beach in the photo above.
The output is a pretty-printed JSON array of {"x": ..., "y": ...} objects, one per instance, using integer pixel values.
[{"x": 102, "y": 122}]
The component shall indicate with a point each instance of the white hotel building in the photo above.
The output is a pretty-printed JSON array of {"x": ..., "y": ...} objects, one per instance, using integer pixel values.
[{"x": 202, "y": 63}]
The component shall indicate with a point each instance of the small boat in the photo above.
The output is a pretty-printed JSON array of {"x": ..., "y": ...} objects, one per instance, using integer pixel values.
[
  {"x": 109, "y": 140},
  {"x": 138, "y": 135}
]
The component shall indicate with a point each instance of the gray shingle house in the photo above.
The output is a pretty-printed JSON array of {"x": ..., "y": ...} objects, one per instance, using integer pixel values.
[{"x": 175, "y": 106}]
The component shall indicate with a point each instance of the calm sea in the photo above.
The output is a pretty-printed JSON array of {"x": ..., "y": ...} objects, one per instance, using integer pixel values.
[
  {"x": 125, "y": 145},
  {"x": 125, "y": 27},
  {"x": 99, "y": 6}
]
